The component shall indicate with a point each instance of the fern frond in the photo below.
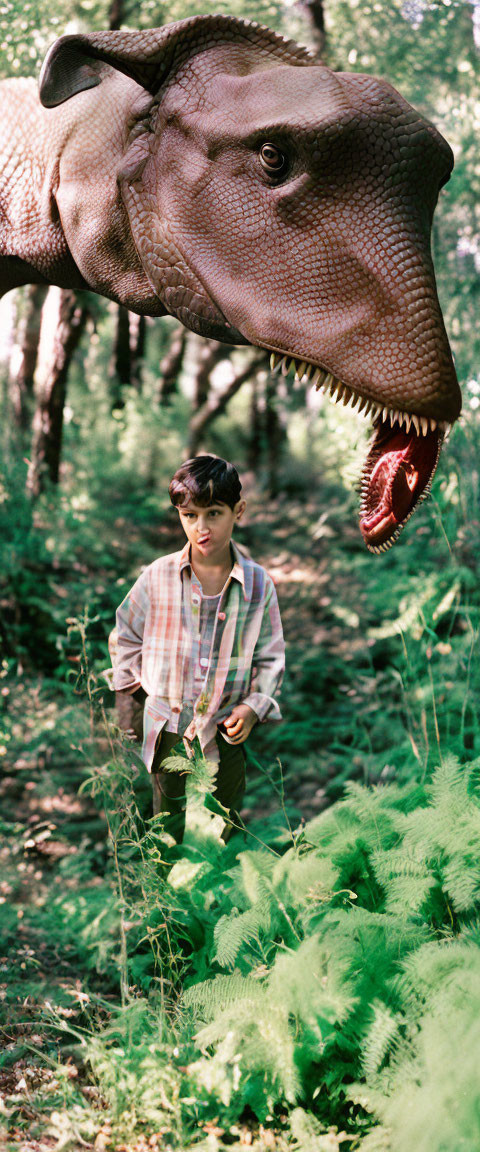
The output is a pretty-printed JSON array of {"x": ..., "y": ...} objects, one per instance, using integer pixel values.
[
  {"x": 214, "y": 996},
  {"x": 304, "y": 881},
  {"x": 309, "y": 1135},
  {"x": 405, "y": 878},
  {"x": 378, "y": 1041},
  {"x": 255, "y": 868},
  {"x": 262, "y": 1038},
  {"x": 239, "y": 928}
]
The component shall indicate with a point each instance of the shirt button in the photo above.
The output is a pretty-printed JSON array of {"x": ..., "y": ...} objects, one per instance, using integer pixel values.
[
  {"x": 176, "y": 708},
  {"x": 221, "y": 616},
  {"x": 196, "y": 598},
  {"x": 204, "y": 662}
]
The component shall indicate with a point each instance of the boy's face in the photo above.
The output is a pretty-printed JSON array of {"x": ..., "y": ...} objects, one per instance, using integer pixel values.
[{"x": 209, "y": 530}]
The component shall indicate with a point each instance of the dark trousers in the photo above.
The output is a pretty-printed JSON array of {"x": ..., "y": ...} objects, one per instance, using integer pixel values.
[{"x": 169, "y": 787}]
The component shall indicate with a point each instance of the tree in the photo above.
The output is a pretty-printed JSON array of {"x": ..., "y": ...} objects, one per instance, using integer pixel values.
[
  {"x": 64, "y": 317},
  {"x": 24, "y": 352}
]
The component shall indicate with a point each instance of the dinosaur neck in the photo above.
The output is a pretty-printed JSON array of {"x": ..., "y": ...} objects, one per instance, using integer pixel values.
[{"x": 33, "y": 248}]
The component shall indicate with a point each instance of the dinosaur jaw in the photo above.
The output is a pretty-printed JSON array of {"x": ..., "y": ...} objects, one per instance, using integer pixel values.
[
  {"x": 401, "y": 461},
  {"x": 397, "y": 476}
]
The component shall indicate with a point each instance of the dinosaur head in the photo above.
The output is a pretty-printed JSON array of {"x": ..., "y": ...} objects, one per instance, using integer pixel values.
[{"x": 277, "y": 203}]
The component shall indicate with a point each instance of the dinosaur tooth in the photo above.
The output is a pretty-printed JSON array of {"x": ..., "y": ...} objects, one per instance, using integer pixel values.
[
  {"x": 424, "y": 425},
  {"x": 275, "y": 361},
  {"x": 285, "y": 367},
  {"x": 416, "y": 424}
]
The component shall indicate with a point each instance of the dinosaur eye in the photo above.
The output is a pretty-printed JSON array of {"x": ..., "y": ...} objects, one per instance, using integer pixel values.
[{"x": 273, "y": 160}]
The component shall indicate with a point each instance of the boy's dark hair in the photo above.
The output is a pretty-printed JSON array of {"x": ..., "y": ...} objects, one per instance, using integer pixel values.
[{"x": 205, "y": 480}]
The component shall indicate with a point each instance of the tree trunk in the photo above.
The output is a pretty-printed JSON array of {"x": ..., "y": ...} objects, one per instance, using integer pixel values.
[
  {"x": 315, "y": 10},
  {"x": 275, "y": 431},
  {"x": 210, "y": 353},
  {"x": 128, "y": 348},
  {"x": 171, "y": 366},
  {"x": 138, "y": 337},
  {"x": 8, "y": 326},
  {"x": 216, "y": 404},
  {"x": 24, "y": 353},
  {"x": 63, "y": 321},
  {"x": 116, "y": 15},
  {"x": 120, "y": 365},
  {"x": 254, "y": 451}
]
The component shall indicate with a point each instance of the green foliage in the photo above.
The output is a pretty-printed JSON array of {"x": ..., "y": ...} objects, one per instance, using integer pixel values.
[{"x": 321, "y": 978}]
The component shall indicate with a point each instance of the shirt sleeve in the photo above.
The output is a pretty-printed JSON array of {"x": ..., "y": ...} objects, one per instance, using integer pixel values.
[
  {"x": 131, "y": 616},
  {"x": 268, "y": 663}
]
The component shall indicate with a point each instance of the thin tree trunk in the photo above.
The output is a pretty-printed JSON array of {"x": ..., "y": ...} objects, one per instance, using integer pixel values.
[
  {"x": 254, "y": 451},
  {"x": 275, "y": 432},
  {"x": 210, "y": 353},
  {"x": 315, "y": 10},
  {"x": 8, "y": 325},
  {"x": 63, "y": 321},
  {"x": 216, "y": 404},
  {"x": 116, "y": 15},
  {"x": 125, "y": 367},
  {"x": 119, "y": 368},
  {"x": 24, "y": 353},
  {"x": 138, "y": 336},
  {"x": 171, "y": 366}
]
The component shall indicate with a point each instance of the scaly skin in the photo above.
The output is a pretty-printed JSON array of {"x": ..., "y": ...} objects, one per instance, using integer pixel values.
[{"x": 151, "y": 187}]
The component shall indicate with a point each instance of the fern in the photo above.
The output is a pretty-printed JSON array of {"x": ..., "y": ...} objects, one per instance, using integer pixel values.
[
  {"x": 213, "y": 996},
  {"x": 379, "y": 1039},
  {"x": 240, "y": 928},
  {"x": 309, "y": 1135}
]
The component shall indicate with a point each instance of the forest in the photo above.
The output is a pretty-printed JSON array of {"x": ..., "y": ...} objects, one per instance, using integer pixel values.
[{"x": 313, "y": 984}]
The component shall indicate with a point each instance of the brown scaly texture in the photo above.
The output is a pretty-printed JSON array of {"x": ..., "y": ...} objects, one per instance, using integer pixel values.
[{"x": 154, "y": 191}]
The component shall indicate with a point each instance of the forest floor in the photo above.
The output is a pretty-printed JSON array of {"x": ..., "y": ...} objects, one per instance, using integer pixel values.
[
  {"x": 346, "y": 709},
  {"x": 49, "y": 822}
]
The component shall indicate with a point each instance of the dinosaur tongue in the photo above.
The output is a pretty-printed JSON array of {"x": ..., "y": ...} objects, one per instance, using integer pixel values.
[{"x": 398, "y": 469}]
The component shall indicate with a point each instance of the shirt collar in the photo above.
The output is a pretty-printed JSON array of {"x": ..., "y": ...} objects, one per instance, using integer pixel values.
[{"x": 239, "y": 563}]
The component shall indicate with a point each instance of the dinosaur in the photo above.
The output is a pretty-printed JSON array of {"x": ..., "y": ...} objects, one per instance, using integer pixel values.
[{"x": 216, "y": 171}]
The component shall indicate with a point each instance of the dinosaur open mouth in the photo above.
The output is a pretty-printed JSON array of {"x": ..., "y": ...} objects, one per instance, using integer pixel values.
[
  {"x": 401, "y": 461},
  {"x": 398, "y": 473}
]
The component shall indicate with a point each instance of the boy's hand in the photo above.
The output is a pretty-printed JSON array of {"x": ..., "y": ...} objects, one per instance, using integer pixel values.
[
  {"x": 129, "y": 715},
  {"x": 240, "y": 723}
]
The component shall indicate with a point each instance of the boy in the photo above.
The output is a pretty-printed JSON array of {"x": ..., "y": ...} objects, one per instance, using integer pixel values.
[{"x": 200, "y": 633}]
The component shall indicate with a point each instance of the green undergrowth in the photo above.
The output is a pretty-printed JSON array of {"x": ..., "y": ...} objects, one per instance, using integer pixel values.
[{"x": 320, "y": 985}]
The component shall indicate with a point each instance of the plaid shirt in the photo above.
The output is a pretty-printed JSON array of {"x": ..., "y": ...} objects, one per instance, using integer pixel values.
[{"x": 158, "y": 647}]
